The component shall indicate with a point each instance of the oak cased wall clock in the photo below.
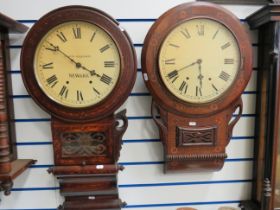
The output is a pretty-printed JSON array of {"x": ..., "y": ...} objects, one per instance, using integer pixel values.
[
  {"x": 196, "y": 62},
  {"x": 79, "y": 65}
]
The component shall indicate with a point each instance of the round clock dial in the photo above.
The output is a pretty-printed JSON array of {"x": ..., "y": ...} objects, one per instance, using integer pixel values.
[
  {"x": 77, "y": 64},
  {"x": 199, "y": 60}
]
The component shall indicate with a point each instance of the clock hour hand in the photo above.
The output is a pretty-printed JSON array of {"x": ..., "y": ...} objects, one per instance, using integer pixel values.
[
  {"x": 200, "y": 76},
  {"x": 92, "y": 72}
]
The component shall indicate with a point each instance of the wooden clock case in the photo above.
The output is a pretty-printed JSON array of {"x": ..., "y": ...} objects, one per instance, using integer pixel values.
[
  {"x": 10, "y": 166},
  {"x": 194, "y": 136},
  {"x": 86, "y": 141}
]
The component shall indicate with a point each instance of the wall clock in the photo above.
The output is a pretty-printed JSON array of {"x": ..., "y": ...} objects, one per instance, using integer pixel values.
[
  {"x": 76, "y": 62},
  {"x": 10, "y": 165},
  {"x": 196, "y": 62}
]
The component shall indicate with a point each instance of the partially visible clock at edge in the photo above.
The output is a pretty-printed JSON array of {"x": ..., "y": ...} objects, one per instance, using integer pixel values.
[
  {"x": 77, "y": 64},
  {"x": 199, "y": 60}
]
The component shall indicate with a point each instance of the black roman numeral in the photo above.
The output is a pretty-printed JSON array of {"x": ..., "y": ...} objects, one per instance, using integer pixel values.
[
  {"x": 215, "y": 34},
  {"x": 229, "y": 61},
  {"x": 92, "y": 37},
  {"x": 224, "y": 76},
  {"x": 214, "y": 87},
  {"x": 79, "y": 96},
  {"x": 77, "y": 33},
  {"x": 106, "y": 79},
  {"x": 172, "y": 74},
  {"x": 200, "y": 30},
  {"x": 170, "y": 61},
  {"x": 186, "y": 88},
  {"x": 61, "y": 36},
  {"x": 47, "y": 66},
  {"x": 183, "y": 84},
  {"x": 109, "y": 64},
  {"x": 175, "y": 78},
  {"x": 198, "y": 91},
  {"x": 106, "y": 47},
  {"x": 52, "y": 80},
  {"x": 186, "y": 33},
  {"x": 96, "y": 91},
  {"x": 174, "y": 45},
  {"x": 226, "y": 45},
  {"x": 64, "y": 92}
]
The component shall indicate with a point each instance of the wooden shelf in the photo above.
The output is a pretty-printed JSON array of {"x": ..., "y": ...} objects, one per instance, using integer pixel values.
[
  {"x": 12, "y": 25},
  {"x": 18, "y": 167}
]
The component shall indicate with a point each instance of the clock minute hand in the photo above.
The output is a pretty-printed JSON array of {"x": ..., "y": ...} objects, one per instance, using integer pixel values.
[
  {"x": 78, "y": 65},
  {"x": 185, "y": 67},
  {"x": 56, "y": 48}
]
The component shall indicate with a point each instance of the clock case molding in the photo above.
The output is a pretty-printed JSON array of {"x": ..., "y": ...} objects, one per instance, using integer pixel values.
[
  {"x": 10, "y": 165},
  {"x": 267, "y": 125},
  {"x": 178, "y": 120},
  {"x": 87, "y": 181}
]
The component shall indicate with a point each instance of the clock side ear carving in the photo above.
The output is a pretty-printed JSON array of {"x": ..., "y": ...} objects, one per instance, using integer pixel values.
[
  {"x": 195, "y": 96},
  {"x": 232, "y": 123},
  {"x": 10, "y": 165}
]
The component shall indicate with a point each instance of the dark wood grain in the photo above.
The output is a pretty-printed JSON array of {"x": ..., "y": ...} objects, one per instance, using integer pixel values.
[{"x": 176, "y": 113}]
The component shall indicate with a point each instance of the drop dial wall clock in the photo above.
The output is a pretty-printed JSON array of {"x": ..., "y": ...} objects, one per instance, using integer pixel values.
[
  {"x": 76, "y": 63},
  {"x": 196, "y": 62}
]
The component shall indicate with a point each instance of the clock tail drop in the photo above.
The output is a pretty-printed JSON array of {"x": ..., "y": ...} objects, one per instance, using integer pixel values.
[
  {"x": 89, "y": 187},
  {"x": 86, "y": 156},
  {"x": 194, "y": 143}
]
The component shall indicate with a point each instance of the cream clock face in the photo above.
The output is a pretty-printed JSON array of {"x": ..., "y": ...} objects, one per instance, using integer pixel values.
[
  {"x": 77, "y": 64},
  {"x": 199, "y": 60}
]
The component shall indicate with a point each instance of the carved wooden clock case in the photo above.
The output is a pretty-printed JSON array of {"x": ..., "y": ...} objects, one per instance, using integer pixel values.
[
  {"x": 79, "y": 65},
  {"x": 196, "y": 62}
]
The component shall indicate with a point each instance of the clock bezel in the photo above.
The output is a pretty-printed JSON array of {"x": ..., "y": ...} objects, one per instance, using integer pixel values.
[
  {"x": 159, "y": 53},
  {"x": 123, "y": 43},
  {"x": 156, "y": 36},
  {"x": 47, "y": 90}
]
